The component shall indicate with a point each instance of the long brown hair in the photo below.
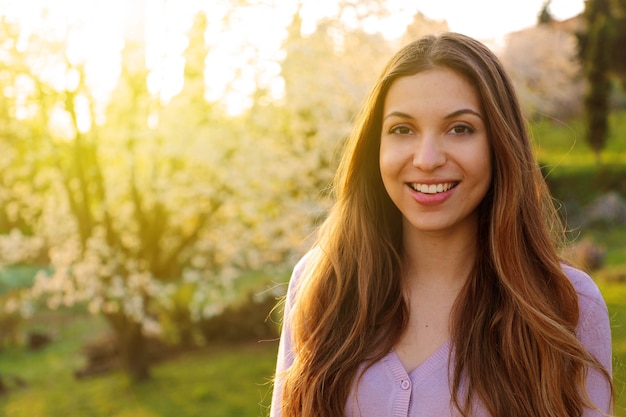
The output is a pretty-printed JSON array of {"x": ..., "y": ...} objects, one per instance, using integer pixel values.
[{"x": 519, "y": 354}]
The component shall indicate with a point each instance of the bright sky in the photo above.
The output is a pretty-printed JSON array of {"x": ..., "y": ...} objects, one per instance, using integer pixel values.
[
  {"x": 485, "y": 19},
  {"x": 482, "y": 19},
  {"x": 254, "y": 36}
]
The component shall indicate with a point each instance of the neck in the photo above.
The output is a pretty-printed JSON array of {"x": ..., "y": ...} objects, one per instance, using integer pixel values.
[{"x": 439, "y": 261}]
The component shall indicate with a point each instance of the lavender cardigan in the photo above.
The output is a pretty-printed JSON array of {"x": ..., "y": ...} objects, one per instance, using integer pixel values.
[{"x": 387, "y": 390}]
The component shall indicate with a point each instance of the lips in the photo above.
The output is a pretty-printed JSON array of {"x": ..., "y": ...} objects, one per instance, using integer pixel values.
[{"x": 432, "y": 188}]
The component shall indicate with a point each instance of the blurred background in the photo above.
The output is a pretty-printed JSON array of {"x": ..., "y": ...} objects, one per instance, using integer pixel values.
[{"x": 164, "y": 164}]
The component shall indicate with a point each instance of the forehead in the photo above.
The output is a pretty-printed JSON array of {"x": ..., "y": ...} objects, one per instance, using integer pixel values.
[{"x": 433, "y": 87}]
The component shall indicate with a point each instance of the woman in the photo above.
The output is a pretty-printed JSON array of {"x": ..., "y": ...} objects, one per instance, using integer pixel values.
[{"x": 435, "y": 288}]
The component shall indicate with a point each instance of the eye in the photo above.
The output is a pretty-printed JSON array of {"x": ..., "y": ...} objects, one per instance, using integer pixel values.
[
  {"x": 400, "y": 130},
  {"x": 461, "y": 130}
]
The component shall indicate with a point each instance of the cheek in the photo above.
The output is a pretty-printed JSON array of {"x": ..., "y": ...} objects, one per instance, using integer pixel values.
[
  {"x": 479, "y": 160},
  {"x": 383, "y": 159},
  {"x": 391, "y": 157},
  {"x": 483, "y": 170},
  {"x": 388, "y": 168},
  {"x": 487, "y": 163}
]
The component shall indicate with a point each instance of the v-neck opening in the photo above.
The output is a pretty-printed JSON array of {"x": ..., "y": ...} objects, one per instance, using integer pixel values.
[{"x": 438, "y": 358}]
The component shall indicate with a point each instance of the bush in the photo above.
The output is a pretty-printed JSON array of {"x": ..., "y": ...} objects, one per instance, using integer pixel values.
[
  {"x": 11, "y": 319},
  {"x": 585, "y": 185},
  {"x": 10, "y": 329},
  {"x": 253, "y": 319},
  {"x": 586, "y": 255},
  {"x": 608, "y": 210},
  {"x": 613, "y": 275},
  {"x": 102, "y": 354}
]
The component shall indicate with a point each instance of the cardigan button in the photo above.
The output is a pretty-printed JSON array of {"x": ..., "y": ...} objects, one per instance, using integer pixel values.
[{"x": 405, "y": 384}]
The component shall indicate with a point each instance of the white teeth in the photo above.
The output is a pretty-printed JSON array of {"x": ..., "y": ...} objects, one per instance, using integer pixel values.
[{"x": 432, "y": 188}]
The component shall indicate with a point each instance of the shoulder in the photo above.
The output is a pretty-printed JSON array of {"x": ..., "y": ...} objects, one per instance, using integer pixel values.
[
  {"x": 594, "y": 332},
  {"x": 593, "y": 323},
  {"x": 583, "y": 283},
  {"x": 589, "y": 295},
  {"x": 299, "y": 273}
]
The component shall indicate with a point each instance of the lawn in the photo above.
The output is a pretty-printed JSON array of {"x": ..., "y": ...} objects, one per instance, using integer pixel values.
[
  {"x": 563, "y": 148},
  {"x": 615, "y": 295},
  {"x": 218, "y": 381}
]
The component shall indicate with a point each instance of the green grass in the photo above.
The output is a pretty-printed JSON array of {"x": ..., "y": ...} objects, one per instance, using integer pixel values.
[
  {"x": 613, "y": 242},
  {"x": 212, "y": 382},
  {"x": 615, "y": 295},
  {"x": 69, "y": 330},
  {"x": 561, "y": 145}
]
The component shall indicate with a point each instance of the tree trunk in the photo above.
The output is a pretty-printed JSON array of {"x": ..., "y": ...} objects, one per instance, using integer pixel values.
[{"x": 132, "y": 347}]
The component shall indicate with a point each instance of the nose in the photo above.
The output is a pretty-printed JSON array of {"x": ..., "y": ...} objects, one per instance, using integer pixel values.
[{"x": 429, "y": 153}]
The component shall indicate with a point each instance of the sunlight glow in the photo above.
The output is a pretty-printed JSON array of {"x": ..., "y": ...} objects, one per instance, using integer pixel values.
[{"x": 245, "y": 51}]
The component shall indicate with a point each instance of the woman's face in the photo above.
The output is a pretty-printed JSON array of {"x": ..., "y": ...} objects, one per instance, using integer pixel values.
[{"x": 435, "y": 158}]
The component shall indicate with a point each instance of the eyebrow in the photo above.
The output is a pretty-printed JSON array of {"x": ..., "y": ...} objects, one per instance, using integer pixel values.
[
  {"x": 464, "y": 111},
  {"x": 449, "y": 116}
]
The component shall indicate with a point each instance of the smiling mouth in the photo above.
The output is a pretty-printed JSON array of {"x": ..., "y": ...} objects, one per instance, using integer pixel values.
[{"x": 433, "y": 188}]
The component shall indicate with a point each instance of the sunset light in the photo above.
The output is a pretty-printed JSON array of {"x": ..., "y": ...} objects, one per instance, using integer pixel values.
[
  {"x": 169, "y": 167},
  {"x": 244, "y": 50}
]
